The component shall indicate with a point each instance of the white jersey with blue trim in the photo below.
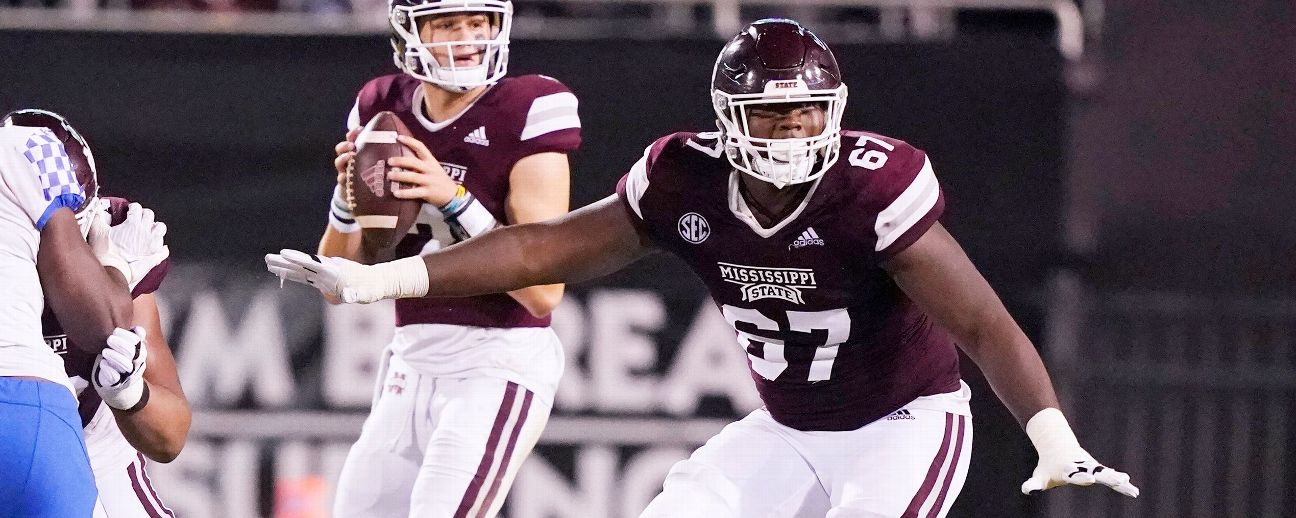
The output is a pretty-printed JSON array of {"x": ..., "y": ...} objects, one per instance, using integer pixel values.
[{"x": 36, "y": 179}]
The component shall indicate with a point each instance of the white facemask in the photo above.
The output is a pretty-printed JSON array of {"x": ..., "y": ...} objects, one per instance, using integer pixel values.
[
  {"x": 785, "y": 161},
  {"x": 95, "y": 208},
  {"x": 416, "y": 58}
]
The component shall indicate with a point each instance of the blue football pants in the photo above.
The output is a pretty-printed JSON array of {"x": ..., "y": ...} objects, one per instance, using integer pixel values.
[{"x": 44, "y": 469}]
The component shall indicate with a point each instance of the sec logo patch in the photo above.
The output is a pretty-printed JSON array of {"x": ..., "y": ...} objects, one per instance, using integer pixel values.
[{"x": 694, "y": 228}]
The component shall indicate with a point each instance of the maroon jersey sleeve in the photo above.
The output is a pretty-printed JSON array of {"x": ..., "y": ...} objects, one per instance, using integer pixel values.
[
  {"x": 899, "y": 194},
  {"x": 642, "y": 188},
  {"x": 117, "y": 208},
  {"x": 551, "y": 123},
  {"x": 380, "y": 93},
  {"x": 152, "y": 280}
]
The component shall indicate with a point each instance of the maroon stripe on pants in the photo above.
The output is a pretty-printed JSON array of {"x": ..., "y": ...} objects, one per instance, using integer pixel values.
[
  {"x": 149, "y": 484},
  {"x": 475, "y": 485},
  {"x": 932, "y": 472},
  {"x": 139, "y": 492},
  {"x": 508, "y": 455},
  {"x": 949, "y": 477}
]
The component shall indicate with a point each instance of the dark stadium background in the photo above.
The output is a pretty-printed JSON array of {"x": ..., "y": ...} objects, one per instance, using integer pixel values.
[{"x": 1132, "y": 208}]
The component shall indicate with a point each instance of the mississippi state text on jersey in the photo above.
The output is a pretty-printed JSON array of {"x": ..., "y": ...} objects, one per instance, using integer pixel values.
[
  {"x": 76, "y": 362},
  {"x": 833, "y": 344},
  {"x": 515, "y": 118}
]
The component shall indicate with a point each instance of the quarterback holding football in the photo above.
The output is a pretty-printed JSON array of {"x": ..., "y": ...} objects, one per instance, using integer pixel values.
[
  {"x": 438, "y": 154},
  {"x": 822, "y": 248}
]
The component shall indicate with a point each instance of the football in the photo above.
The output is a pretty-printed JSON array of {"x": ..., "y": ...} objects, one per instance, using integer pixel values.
[{"x": 384, "y": 219}]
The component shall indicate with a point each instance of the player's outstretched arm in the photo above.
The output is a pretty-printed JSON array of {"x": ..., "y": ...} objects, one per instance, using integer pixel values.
[
  {"x": 539, "y": 190},
  {"x": 590, "y": 242},
  {"x": 159, "y": 428},
  {"x": 88, "y": 300},
  {"x": 939, "y": 277}
]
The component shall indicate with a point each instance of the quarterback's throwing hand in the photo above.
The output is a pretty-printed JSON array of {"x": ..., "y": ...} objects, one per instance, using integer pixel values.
[{"x": 1062, "y": 461}]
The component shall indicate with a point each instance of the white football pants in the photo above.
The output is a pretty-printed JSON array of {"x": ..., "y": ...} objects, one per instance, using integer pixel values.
[
  {"x": 439, "y": 447},
  {"x": 909, "y": 464},
  {"x": 127, "y": 492}
]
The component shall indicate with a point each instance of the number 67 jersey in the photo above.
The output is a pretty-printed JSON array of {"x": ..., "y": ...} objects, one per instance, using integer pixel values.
[{"x": 833, "y": 344}]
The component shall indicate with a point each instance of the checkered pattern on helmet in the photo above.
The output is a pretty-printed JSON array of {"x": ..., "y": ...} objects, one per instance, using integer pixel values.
[{"x": 48, "y": 155}]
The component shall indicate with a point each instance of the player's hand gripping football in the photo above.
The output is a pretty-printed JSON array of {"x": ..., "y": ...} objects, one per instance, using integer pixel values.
[
  {"x": 97, "y": 236},
  {"x": 118, "y": 374},
  {"x": 140, "y": 239},
  {"x": 1062, "y": 461},
  {"x": 349, "y": 281},
  {"x": 346, "y": 151},
  {"x": 427, "y": 179},
  {"x": 341, "y": 216}
]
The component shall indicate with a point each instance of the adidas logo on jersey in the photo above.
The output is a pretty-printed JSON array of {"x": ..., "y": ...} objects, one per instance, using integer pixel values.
[
  {"x": 899, "y": 415},
  {"x": 478, "y": 136},
  {"x": 807, "y": 238}
]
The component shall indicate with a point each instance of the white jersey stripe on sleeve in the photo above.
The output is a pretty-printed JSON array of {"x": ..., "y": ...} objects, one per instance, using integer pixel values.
[
  {"x": 914, "y": 203},
  {"x": 353, "y": 118},
  {"x": 551, "y": 113},
  {"x": 552, "y": 101},
  {"x": 637, "y": 182}
]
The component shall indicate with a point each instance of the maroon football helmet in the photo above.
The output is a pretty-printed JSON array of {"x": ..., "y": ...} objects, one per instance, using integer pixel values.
[
  {"x": 778, "y": 61},
  {"x": 78, "y": 151}
]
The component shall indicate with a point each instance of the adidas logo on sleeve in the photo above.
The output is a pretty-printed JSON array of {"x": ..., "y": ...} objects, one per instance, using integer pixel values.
[{"x": 807, "y": 238}]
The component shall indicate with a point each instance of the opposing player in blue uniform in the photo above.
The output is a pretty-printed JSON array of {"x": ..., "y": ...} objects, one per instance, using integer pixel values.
[{"x": 45, "y": 166}]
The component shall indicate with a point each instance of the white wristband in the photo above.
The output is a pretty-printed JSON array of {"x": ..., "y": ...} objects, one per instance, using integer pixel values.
[
  {"x": 470, "y": 219},
  {"x": 129, "y": 398},
  {"x": 1049, "y": 432},
  {"x": 340, "y": 217}
]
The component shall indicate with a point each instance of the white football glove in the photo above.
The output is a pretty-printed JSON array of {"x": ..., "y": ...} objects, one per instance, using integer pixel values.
[
  {"x": 118, "y": 374},
  {"x": 1062, "y": 461},
  {"x": 140, "y": 239},
  {"x": 100, "y": 241},
  {"x": 349, "y": 281}
]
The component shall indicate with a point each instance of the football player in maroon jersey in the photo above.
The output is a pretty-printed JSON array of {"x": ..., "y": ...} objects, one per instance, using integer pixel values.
[
  {"x": 136, "y": 407},
  {"x": 823, "y": 250},
  {"x": 119, "y": 438},
  {"x": 476, "y": 375}
]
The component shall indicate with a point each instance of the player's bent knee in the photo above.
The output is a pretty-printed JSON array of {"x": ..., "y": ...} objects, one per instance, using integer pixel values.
[{"x": 694, "y": 489}]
